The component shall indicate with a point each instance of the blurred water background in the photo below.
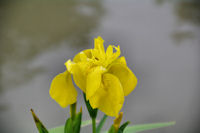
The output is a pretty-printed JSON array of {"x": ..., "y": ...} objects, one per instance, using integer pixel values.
[{"x": 159, "y": 38}]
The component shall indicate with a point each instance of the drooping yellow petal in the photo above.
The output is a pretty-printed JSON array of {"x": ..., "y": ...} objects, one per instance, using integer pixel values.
[
  {"x": 79, "y": 71},
  {"x": 125, "y": 75},
  {"x": 94, "y": 80},
  {"x": 109, "y": 97},
  {"x": 62, "y": 89}
]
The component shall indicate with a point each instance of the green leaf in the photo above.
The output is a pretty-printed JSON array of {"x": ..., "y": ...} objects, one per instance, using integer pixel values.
[
  {"x": 145, "y": 127},
  {"x": 68, "y": 126},
  {"x": 112, "y": 130},
  {"x": 60, "y": 129},
  {"x": 86, "y": 123},
  {"x": 41, "y": 128},
  {"x": 92, "y": 112},
  {"x": 103, "y": 120},
  {"x": 77, "y": 123},
  {"x": 123, "y": 126}
]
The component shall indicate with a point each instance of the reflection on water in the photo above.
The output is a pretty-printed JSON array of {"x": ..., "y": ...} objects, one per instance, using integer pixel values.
[
  {"x": 37, "y": 37},
  {"x": 29, "y": 28},
  {"x": 34, "y": 29},
  {"x": 187, "y": 13}
]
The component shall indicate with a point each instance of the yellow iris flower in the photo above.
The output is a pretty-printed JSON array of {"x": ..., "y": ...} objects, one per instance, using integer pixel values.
[{"x": 102, "y": 75}]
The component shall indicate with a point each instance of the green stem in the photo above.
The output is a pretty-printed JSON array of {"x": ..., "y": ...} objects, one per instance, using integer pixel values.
[
  {"x": 92, "y": 112},
  {"x": 94, "y": 125},
  {"x": 73, "y": 110},
  {"x": 103, "y": 120}
]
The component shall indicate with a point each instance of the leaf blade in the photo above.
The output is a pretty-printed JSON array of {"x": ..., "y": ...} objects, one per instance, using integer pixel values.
[
  {"x": 60, "y": 129},
  {"x": 41, "y": 128},
  {"x": 99, "y": 127},
  {"x": 144, "y": 127}
]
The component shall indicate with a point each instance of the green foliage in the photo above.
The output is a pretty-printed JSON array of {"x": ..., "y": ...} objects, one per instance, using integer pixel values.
[
  {"x": 92, "y": 112},
  {"x": 120, "y": 130},
  {"x": 112, "y": 130},
  {"x": 73, "y": 125},
  {"x": 103, "y": 120},
  {"x": 143, "y": 127},
  {"x": 41, "y": 128},
  {"x": 60, "y": 129},
  {"x": 77, "y": 123},
  {"x": 68, "y": 126},
  {"x": 123, "y": 126}
]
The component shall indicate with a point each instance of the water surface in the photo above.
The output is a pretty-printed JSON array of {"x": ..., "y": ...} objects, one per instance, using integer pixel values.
[{"x": 160, "y": 40}]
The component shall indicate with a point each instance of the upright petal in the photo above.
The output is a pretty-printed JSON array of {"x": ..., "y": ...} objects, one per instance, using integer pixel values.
[
  {"x": 94, "y": 80},
  {"x": 110, "y": 55},
  {"x": 117, "y": 53},
  {"x": 98, "y": 44},
  {"x": 109, "y": 97},
  {"x": 98, "y": 51},
  {"x": 109, "y": 51},
  {"x": 62, "y": 89},
  {"x": 125, "y": 75}
]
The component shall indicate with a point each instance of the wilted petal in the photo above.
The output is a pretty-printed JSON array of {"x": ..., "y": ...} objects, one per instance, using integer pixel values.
[
  {"x": 62, "y": 89},
  {"x": 125, "y": 75},
  {"x": 109, "y": 97}
]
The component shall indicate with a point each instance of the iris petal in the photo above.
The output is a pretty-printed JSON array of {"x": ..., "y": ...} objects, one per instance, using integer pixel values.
[
  {"x": 125, "y": 75},
  {"x": 87, "y": 52},
  {"x": 109, "y": 97},
  {"x": 120, "y": 60},
  {"x": 109, "y": 52},
  {"x": 62, "y": 89},
  {"x": 94, "y": 81},
  {"x": 98, "y": 44}
]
